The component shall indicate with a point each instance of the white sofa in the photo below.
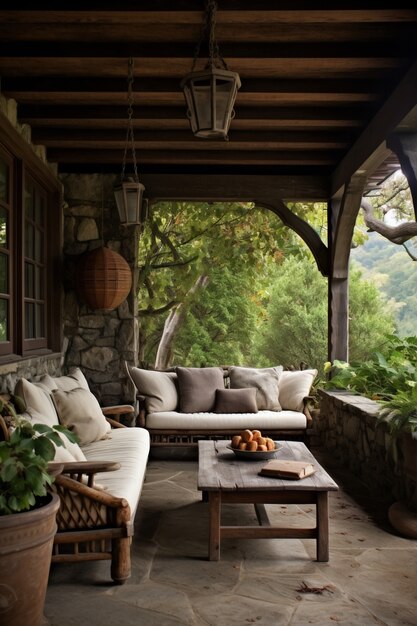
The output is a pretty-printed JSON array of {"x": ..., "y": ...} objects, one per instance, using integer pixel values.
[
  {"x": 102, "y": 477},
  {"x": 281, "y": 409}
]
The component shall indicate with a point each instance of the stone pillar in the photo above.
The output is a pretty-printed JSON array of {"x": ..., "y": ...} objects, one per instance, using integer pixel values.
[{"x": 98, "y": 342}]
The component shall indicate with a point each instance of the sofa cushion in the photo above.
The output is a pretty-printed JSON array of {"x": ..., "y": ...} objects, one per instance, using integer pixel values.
[
  {"x": 80, "y": 411},
  {"x": 37, "y": 400},
  {"x": 130, "y": 448},
  {"x": 294, "y": 387},
  {"x": 158, "y": 388},
  {"x": 265, "y": 380},
  {"x": 67, "y": 453},
  {"x": 197, "y": 387},
  {"x": 74, "y": 379},
  {"x": 236, "y": 400},
  {"x": 232, "y": 422}
]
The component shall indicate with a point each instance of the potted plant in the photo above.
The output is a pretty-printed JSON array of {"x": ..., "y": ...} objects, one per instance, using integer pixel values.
[{"x": 27, "y": 515}]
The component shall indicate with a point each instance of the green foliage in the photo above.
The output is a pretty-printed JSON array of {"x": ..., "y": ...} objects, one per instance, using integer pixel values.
[
  {"x": 220, "y": 325},
  {"x": 182, "y": 241},
  {"x": 24, "y": 459},
  {"x": 295, "y": 327},
  {"x": 389, "y": 379}
]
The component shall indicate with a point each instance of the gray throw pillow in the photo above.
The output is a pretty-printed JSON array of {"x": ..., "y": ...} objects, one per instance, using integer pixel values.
[
  {"x": 265, "y": 380},
  {"x": 197, "y": 388},
  {"x": 236, "y": 401}
]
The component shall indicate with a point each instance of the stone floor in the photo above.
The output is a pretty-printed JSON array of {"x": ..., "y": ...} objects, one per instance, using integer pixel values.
[{"x": 371, "y": 577}]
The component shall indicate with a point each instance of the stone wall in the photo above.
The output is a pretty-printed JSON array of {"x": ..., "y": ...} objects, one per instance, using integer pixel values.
[
  {"x": 98, "y": 342},
  {"x": 348, "y": 427},
  {"x": 32, "y": 369}
]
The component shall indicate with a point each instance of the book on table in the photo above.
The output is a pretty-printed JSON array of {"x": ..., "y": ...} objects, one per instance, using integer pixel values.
[{"x": 287, "y": 469}]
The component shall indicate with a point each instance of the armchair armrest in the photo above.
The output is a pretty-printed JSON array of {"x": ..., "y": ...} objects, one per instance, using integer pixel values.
[
  {"x": 77, "y": 469},
  {"x": 113, "y": 413}
]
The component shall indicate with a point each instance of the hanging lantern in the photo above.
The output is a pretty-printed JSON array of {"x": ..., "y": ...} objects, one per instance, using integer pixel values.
[
  {"x": 104, "y": 279},
  {"x": 211, "y": 93},
  {"x": 129, "y": 192}
]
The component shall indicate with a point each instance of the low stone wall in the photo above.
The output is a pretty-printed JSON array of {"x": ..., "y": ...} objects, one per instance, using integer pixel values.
[
  {"x": 31, "y": 369},
  {"x": 347, "y": 426}
]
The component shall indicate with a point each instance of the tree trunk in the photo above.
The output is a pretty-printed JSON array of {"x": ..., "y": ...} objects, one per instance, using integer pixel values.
[{"x": 173, "y": 323}]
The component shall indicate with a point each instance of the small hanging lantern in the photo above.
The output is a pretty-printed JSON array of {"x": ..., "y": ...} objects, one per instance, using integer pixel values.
[
  {"x": 104, "y": 279},
  {"x": 211, "y": 93},
  {"x": 129, "y": 192}
]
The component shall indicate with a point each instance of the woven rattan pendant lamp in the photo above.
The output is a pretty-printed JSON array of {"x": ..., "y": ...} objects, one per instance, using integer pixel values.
[{"x": 104, "y": 279}]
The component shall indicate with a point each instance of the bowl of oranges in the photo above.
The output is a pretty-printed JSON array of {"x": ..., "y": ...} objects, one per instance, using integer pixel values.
[{"x": 251, "y": 445}]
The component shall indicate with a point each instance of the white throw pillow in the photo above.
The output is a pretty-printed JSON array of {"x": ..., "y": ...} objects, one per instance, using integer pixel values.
[
  {"x": 80, "y": 411},
  {"x": 67, "y": 453},
  {"x": 294, "y": 387},
  {"x": 74, "y": 379},
  {"x": 158, "y": 388},
  {"x": 37, "y": 400},
  {"x": 265, "y": 380}
]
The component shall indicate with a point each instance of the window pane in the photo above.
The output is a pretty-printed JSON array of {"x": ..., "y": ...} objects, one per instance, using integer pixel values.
[
  {"x": 29, "y": 212},
  {"x": 40, "y": 320},
  {"x": 39, "y": 283},
  {"x": 4, "y": 320},
  {"x": 4, "y": 181},
  {"x": 38, "y": 246},
  {"x": 39, "y": 202},
  {"x": 4, "y": 283},
  {"x": 29, "y": 281},
  {"x": 29, "y": 320},
  {"x": 3, "y": 227},
  {"x": 29, "y": 241}
]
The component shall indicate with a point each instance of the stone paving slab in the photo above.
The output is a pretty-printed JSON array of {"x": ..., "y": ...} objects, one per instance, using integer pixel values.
[{"x": 371, "y": 577}]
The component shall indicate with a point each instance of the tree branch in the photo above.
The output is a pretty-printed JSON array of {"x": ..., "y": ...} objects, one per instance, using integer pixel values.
[
  {"x": 397, "y": 234},
  {"x": 163, "y": 309},
  {"x": 410, "y": 254}
]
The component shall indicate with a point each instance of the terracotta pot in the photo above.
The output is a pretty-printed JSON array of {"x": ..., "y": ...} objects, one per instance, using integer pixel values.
[{"x": 26, "y": 541}]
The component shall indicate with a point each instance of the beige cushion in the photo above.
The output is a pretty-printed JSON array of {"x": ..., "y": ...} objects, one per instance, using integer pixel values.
[
  {"x": 197, "y": 387},
  {"x": 80, "y": 411},
  {"x": 265, "y": 421},
  {"x": 294, "y": 387},
  {"x": 236, "y": 401},
  {"x": 67, "y": 453},
  {"x": 265, "y": 380},
  {"x": 74, "y": 379},
  {"x": 48, "y": 382},
  {"x": 37, "y": 400},
  {"x": 158, "y": 388}
]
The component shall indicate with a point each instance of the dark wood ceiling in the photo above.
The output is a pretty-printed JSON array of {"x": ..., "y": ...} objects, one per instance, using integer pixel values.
[{"x": 318, "y": 83}]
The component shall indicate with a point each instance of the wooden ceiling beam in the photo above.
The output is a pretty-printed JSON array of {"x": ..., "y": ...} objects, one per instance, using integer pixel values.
[
  {"x": 50, "y": 112},
  {"x": 176, "y": 98},
  {"x": 231, "y": 17},
  {"x": 40, "y": 124},
  {"x": 185, "y": 139},
  {"x": 171, "y": 67},
  {"x": 185, "y": 157}
]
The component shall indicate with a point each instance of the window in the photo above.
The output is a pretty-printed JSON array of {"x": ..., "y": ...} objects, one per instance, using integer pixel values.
[
  {"x": 5, "y": 253},
  {"x": 30, "y": 316}
]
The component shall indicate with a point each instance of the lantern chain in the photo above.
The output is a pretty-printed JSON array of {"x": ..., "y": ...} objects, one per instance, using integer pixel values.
[
  {"x": 130, "y": 138},
  {"x": 207, "y": 32}
]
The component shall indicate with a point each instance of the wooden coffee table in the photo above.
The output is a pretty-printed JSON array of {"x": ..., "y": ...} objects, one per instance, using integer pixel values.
[{"x": 224, "y": 479}]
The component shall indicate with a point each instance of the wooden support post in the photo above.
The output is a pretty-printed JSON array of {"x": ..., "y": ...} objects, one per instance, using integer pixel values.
[{"x": 338, "y": 319}]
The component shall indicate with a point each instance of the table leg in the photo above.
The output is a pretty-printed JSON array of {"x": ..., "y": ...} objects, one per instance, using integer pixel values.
[
  {"x": 322, "y": 517},
  {"x": 214, "y": 531}
]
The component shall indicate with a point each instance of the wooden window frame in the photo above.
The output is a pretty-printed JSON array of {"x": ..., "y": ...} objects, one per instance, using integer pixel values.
[{"x": 27, "y": 166}]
